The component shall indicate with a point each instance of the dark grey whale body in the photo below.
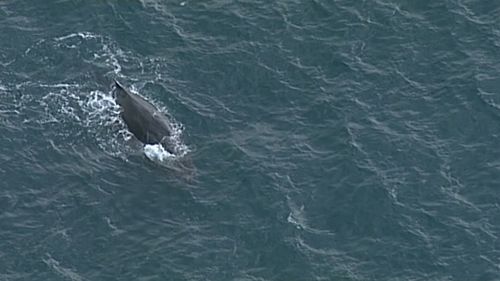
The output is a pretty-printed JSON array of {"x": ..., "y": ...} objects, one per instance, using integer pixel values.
[{"x": 147, "y": 123}]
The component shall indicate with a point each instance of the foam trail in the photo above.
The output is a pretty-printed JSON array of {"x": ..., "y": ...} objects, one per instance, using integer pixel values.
[{"x": 83, "y": 35}]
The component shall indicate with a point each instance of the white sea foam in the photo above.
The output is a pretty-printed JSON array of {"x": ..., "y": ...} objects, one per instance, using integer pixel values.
[
  {"x": 296, "y": 215},
  {"x": 109, "y": 53},
  {"x": 83, "y": 35},
  {"x": 156, "y": 152},
  {"x": 63, "y": 271}
]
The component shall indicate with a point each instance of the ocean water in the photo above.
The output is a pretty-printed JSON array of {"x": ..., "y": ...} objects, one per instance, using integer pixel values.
[{"x": 320, "y": 139}]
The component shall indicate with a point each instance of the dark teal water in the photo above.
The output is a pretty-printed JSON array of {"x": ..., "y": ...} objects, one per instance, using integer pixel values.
[{"x": 331, "y": 140}]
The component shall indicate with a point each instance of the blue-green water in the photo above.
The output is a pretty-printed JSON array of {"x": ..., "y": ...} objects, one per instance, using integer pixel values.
[{"x": 331, "y": 140}]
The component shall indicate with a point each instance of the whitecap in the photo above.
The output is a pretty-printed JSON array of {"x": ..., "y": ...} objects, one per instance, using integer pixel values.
[{"x": 156, "y": 152}]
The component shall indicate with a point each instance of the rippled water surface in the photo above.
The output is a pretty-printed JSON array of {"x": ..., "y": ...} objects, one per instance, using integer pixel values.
[{"x": 320, "y": 139}]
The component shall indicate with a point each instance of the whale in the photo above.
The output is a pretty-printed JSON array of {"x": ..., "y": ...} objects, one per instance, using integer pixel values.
[{"x": 143, "y": 119}]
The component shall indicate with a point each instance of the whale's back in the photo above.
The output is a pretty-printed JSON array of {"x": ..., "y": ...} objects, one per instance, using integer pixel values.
[{"x": 146, "y": 122}]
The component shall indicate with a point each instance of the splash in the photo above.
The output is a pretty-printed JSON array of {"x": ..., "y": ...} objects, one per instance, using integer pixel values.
[{"x": 156, "y": 152}]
